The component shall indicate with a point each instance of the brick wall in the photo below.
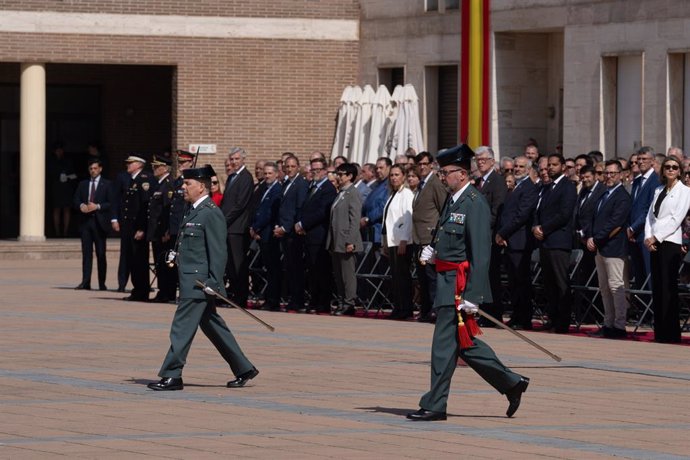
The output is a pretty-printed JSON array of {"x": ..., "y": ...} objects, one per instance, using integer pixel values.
[
  {"x": 265, "y": 95},
  {"x": 313, "y": 9}
]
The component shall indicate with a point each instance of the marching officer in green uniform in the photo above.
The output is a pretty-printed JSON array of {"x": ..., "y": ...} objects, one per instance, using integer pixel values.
[
  {"x": 202, "y": 255},
  {"x": 159, "y": 218},
  {"x": 461, "y": 249}
]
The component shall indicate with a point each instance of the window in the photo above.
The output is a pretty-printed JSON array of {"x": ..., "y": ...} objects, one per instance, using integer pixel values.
[{"x": 392, "y": 77}]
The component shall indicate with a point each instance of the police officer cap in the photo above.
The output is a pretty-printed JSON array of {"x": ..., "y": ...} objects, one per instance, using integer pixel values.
[
  {"x": 199, "y": 173},
  {"x": 133, "y": 158},
  {"x": 161, "y": 160},
  {"x": 459, "y": 155},
  {"x": 185, "y": 155}
]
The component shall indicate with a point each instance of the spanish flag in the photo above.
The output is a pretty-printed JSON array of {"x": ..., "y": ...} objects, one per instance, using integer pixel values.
[{"x": 475, "y": 76}]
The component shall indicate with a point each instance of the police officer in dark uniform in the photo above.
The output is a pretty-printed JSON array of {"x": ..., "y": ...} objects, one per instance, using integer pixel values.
[
  {"x": 158, "y": 228},
  {"x": 461, "y": 249},
  {"x": 134, "y": 214}
]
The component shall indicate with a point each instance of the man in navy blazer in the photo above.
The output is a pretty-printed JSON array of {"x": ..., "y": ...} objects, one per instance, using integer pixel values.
[
  {"x": 236, "y": 208},
  {"x": 261, "y": 230},
  {"x": 553, "y": 229},
  {"x": 313, "y": 225},
  {"x": 94, "y": 198},
  {"x": 605, "y": 236},
  {"x": 514, "y": 233},
  {"x": 372, "y": 209},
  {"x": 642, "y": 194},
  {"x": 295, "y": 189}
]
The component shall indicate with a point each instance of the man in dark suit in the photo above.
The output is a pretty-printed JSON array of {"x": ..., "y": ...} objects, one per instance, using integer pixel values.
[
  {"x": 120, "y": 187},
  {"x": 462, "y": 246},
  {"x": 514, "y": 234},
  {"x": 493, "y": 186},
  {"x": 239, "y": 188},
  {"x": 201, "y": 257},
  {"x": 642, "y": 194},
  {"x": 261, "y": 230},
  {"x": 295, "y": 189},
  {"x": 158, "y": 225},
  {"x": 427, "y": 205},
  {"x": 313, "y": 225},
  {"x": 553, "y": 229},
  {"x": 134, "y": 213},
  {"x": 94, "y": 199},
  {"x": 605, "y": 236}
]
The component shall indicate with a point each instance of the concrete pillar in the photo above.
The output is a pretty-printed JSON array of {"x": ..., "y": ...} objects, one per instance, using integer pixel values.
[{"x": 32, "y": 144}]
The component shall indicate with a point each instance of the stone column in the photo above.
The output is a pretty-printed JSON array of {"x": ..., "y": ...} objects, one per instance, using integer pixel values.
[{"x": 32, "y": 144}]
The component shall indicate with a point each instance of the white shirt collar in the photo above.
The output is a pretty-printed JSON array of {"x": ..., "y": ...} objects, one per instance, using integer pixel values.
[
  {"x": 647, "y": 174},
  {"x": 134, "y": 176},
  {"x": 457, "y": 194},
  {"x": 160, "y": 181},
  {"x": 198, "y": 202},
  {"x": 554, "y": 183},
  {"x": 485, "y": 177}
]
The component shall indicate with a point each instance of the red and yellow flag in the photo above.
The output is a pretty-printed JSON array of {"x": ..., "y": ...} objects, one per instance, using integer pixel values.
[{"x": 475, "y": 76}]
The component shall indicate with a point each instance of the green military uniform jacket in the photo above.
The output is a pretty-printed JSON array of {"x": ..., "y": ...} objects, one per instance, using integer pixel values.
[
  {"x": 202, "y": 253},
  {"x": 464, "y": 233}
]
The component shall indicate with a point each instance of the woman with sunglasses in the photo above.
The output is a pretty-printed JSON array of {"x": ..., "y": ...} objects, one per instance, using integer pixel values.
[
  {"x": 663, "y": 238},
  {"x": 216, "y": 190}
]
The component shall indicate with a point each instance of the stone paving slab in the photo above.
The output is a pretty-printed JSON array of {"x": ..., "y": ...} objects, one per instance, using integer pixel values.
[{"x": 75, "y": 366}]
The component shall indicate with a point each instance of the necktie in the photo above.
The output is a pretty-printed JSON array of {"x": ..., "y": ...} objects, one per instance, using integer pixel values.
[
  {"x": 92, "y": 193},
  {"x": 288, "y": 183},
  {"x": 636, "y": 187},
  {"x": 603, "y": 199},
  {"x": 481, "y": 183}
]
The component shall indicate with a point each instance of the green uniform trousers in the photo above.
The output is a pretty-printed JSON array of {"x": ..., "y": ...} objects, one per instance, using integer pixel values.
[
  {"x": 194, "y": 313},
  {"x": 444, "y": 356}
]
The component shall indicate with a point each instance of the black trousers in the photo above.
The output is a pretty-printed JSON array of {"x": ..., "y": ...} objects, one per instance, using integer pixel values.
[
  {"x": 138, "y": 257},
  {"x": 495, "y": 308},
  {"x": 426, "y": 276},
  {"x": 270, "y": 257},
  {"x": 555, "y": 264},
  {"x": 401, "y": 279},
  {"x": 237, "y": 269},
  {"x": 518, "y": 268},
  {"x": 320, "y": 282},
  {"x": 166, "y": 276},
  {"x": 92, "y": 236},
  {"x": 123, "y": 266},
  {"x": 293, "y": 261},
  {"x": 665, "y": 263}
]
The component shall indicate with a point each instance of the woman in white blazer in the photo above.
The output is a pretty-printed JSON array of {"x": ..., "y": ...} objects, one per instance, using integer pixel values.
[
  {"x": 664, "y": 238},
  {"x": 396, "y": 239}
]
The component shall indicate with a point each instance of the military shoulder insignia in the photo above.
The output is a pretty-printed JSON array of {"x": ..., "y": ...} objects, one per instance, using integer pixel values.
[
  {"x": 457, "y": 218},
  {"x": 145, "y": 186}
]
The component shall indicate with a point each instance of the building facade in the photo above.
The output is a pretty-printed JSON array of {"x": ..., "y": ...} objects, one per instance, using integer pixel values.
[{"x": 605, "y": 75}]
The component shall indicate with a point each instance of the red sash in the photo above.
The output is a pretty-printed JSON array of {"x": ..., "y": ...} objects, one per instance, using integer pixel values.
[{"x": 467, "y": 325}]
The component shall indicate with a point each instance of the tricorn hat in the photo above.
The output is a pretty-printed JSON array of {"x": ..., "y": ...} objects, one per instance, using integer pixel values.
[
  {"x": 199, "y": 173},
  {"x": 459, "y": 155}
]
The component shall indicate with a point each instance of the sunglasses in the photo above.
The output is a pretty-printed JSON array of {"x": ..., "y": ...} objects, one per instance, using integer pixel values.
[
  {"x": 671, "y": 167},
  {"x": 214, "y": 182}
]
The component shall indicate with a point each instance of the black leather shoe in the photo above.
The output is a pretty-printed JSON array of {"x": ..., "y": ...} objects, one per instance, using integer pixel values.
[
  {"x": 121, "y": 289},
  {"x": 131, "y": 298},
  {"x": 423, "y": 415},
  {"x": 515, "y": 395},
  {"x": 242, "y": 380},
  {"x": 102, "y": 287},
  {"x": 167, "y": 384},
  {"x": 83, "y": 286}
]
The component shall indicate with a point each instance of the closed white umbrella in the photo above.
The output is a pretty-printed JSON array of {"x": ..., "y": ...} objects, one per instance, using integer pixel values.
[
  {"x": 353, "y": 100},
  {"x": 397, "y": 122},
  {"x": 341, "y": 124},
  {"x": 362, "y": 128},
  {"x": 414, "y": 125},
  {"x": 379, "y": 124}
]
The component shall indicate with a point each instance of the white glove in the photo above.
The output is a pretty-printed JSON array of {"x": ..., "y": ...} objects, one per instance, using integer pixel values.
[
  {"x": 63, "y": 177},
  {"x": 209, "y": 291},
  {"x": 428, "y": 255},
  {"x": 468, "y": 307}
]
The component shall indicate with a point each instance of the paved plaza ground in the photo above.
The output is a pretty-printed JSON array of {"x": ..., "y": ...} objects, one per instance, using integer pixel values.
[{"x": 75, "y": 366}]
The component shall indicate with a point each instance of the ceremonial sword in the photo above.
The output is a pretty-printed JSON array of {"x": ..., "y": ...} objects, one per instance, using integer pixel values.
[{"x": 233, "y": 304}]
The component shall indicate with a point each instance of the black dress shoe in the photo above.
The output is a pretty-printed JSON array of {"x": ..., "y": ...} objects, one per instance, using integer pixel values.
[
  {"x": 515, "y": 395},
  {"x": 160, "y": 299},
  {"x": 423, "y": 415},
  {"x": 131, "y": 298},
  {"x": 167, "y": 384},
  {"x": 242, "y": 380},
  {"x": 345, "y": 311},
  {"x": 83, "y": 286},
  {"x": 102, "y": 287}
]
